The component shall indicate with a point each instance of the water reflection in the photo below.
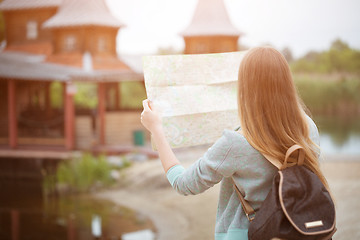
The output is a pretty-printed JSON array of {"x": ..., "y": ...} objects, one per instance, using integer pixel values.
[
  {"x": 26, "y": 214},
  {"x": 350, "y": 147},
  {"x": 339, "y": 134}
]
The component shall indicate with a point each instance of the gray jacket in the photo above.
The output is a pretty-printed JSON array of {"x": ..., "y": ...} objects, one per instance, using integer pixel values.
[{"x": 230, "y": 156}]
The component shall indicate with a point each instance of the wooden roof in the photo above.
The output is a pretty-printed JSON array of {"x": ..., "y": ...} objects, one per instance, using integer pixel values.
[
  {"x": 8, "y": 5},
  {"x": 34, "y": 47},
  {"x": 83, "y": 13},
  {"x": 30, "y": 67},
  {"x": 210, "y": 18},
  {"x": 98, "y": 61},
  {"x": 22, "y": 66}
]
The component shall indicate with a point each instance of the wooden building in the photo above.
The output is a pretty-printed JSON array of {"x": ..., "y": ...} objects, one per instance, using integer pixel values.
[
  {"x": 55, "y": 46},
  {"x": 52, "y": 47},
  {"x": 24, "y": 19},
  {"x": 85, "y": 26},
  {"x": 210, "y": 30}
]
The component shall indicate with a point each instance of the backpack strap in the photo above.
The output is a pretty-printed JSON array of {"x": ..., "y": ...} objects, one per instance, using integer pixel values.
[
  {"x": 273, "y": 161},
  {"x": 291, "y": 150},
  {"x": 249, "y": 211}
]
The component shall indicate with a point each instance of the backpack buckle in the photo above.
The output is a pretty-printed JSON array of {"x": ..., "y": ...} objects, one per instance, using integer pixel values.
[{"x": 250, "y": 216}]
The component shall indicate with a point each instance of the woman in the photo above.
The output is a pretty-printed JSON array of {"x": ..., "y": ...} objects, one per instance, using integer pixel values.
[{"x": 272, "y": 119}]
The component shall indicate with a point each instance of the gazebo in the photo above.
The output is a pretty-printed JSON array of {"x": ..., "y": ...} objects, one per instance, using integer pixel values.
[
  {"x": 210, "y": 30},
  {"x": 64, "y": 44}
]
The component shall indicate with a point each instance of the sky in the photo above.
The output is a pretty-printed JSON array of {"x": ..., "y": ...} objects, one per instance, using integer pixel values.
[{"x": 301, "y": 25}]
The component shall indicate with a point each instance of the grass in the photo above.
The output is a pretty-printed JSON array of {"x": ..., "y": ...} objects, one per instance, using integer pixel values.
[
  {"x": 84, "y": 174},
  {"x": 330, "y": 95}
]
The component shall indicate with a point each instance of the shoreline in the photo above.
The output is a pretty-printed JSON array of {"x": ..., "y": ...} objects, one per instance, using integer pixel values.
[{"x": 193, "y": 217}]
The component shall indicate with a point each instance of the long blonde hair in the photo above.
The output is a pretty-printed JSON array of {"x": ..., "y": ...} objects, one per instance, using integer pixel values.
[{"x": 272, "y": 116}]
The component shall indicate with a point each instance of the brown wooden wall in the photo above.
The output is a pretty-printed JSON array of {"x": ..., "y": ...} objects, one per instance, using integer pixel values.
[
  {"x": 210, "y": 44},
  {"x": 119, "y": 129},
  {"x": 120, "y": 126},
  {"x": 84, "y": 134},
  {"x": 16, "y": 25},
  {"x": 87, "y": 39},
  {"x": 4, "y": 132}
]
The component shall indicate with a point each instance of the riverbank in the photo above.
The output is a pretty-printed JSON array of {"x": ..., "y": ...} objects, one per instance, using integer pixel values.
[{"x": 193, "y": 217}]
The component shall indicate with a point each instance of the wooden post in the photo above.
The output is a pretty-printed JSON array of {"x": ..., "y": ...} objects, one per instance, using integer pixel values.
[
  {"x": 101, "y": 112},
  {"x": 69, "y": 114},
  {"x": 13, "y": 130},
  {"x": 117, "y": 96},
  {"x": 47, "y": 97},
  {"x": 15, "y": 225},
  {"x": 71, "y": 228}
]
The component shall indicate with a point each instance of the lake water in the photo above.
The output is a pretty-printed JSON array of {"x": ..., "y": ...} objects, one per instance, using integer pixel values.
[
  {"x": 25, "y": 214},
  {"x": 350, "y": 147},
  {"x": 339, "y": 135}
]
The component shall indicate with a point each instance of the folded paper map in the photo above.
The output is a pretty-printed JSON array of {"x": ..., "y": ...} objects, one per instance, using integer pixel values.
[{"x": 196, "y": 95}]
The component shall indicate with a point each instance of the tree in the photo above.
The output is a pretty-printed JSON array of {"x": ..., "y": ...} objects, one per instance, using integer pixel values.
[
  {"x": 339, "y": 45},
  {"x": 339, "y": 58},
  {"x": 288, "y": 54}
]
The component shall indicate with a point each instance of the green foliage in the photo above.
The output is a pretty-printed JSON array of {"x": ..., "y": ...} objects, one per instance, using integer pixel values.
[
  {"x": 339, "y": 58},
  {"x": 323, "y": 96},
  {"x": 56, "y": 89},
  {"x": 85, "y": 173},
  {"x": 86, "y": 95},
  {"x": 132, "y": 94}
]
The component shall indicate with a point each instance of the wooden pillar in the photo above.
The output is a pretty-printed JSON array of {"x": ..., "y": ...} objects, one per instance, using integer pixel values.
[
  {"x": 117, "y": 96},
  {"x": 15, "y": 227},
  {"x": 47, "y": 97},
  {"x": 101, "y": 112},
  {"x": 69, "y": 114},
  {"x": 13, "y": 130},
  {"x": 71, "y": 228}
]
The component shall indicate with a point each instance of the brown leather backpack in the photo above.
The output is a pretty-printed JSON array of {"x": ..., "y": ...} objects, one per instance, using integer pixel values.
[{"x": 298, "y": 206}]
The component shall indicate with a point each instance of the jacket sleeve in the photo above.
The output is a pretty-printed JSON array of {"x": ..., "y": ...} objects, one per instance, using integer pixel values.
[
  {"x": 314, "y": 134},
  {"x": 202, "y": 174}
]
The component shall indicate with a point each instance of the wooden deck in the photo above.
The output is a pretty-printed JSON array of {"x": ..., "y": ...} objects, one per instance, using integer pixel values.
[
  {"x": 38, "y": 153},
  {"x": 35, "y": 154}
]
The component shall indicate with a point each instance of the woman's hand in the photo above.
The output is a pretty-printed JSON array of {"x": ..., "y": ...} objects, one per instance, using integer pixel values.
[{"x": 150, "y": 118}]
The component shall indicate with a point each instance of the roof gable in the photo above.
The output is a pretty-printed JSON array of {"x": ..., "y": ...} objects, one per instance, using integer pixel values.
[
  {"x": 210, "y": 18},
  {"x": 83, "y": 13},
  {"x": 10, "y": 5}
]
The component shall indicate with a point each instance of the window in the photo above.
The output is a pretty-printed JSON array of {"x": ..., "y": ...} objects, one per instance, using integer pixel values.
[
  {"x": 70, "y": 43},
  {"x": 201, "y": 47},
  {"x": 31, "y": 30},
  {"x": 101, "y": 44},
  {"x": 227, "y": 46}
]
